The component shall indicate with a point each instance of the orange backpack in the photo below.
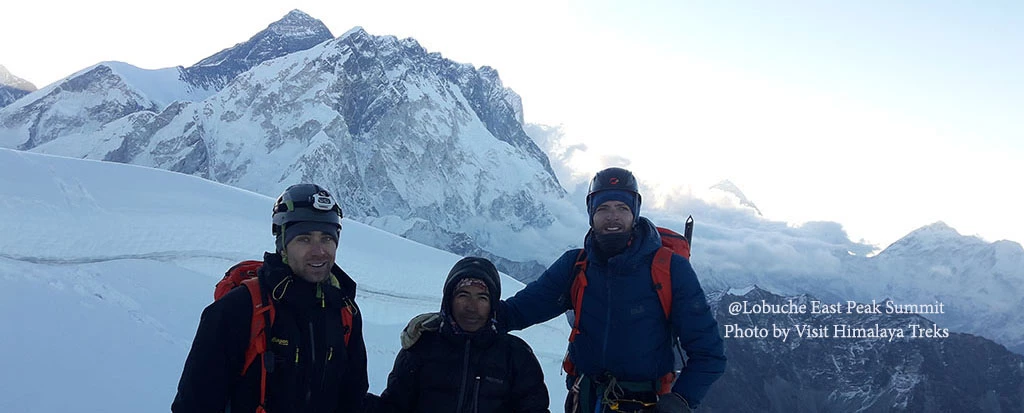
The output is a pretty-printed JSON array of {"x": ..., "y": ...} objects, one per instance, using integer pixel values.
[
  {"x": 244, "y": 274},
  {"x": 661, "y": 274}
]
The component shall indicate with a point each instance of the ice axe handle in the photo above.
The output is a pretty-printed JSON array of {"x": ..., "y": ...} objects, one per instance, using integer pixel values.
[{"x": 688, "y": 232}]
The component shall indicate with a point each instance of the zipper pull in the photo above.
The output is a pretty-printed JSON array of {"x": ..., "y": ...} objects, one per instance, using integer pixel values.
[
  {"x": 330, "y": 353},
  {"x": 320, "y": 295},
  {"x": 296, "y": 355}
]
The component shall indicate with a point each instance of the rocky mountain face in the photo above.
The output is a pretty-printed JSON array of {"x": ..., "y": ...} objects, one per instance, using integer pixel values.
[
  {"x": 9, "y": 94},
  {"x": 979, "y": 281},
  {"x": 12, "y": 87},
  {"x": 435, "y": 151},
  {"x": 852, "y": 359},
  {"x": 412, "y": 142},
  {"x": 296, "y": 31},
  {"x": 79, "y": 104},
  {"x": 109, "y": 94}
]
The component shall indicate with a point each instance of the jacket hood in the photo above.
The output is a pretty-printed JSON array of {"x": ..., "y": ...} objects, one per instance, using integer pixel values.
[{"x": 471, "y": 267}]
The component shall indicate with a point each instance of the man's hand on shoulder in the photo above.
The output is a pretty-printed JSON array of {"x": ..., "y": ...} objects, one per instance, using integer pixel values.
[{"x": 416, "y": 327}]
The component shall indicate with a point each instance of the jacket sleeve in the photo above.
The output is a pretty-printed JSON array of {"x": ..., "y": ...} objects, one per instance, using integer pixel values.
[
  {"x": 541, "y": 300},
  {"x": 214, "y": 364},
  {"x": 698, "y": 334},
  {"x": 529, "y": 394},
  {"x": 402, "y": 392},
  {"x": 354, "y": 381}
]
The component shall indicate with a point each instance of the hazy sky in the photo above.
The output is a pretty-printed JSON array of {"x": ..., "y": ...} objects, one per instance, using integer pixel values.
[{"x": 882, "y": 116}]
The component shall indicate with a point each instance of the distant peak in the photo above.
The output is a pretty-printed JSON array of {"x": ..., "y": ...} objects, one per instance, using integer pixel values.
[
  {"x": 751, "y": 291},
  {"x": 935, "y": 228},
  {"x": 298, "y": 15},
  {"x": 730, "y": 188},
  {"x": 10, "y": 80},
  {"x": 355, "y": 31},
  {"x": 298, "y": 23},
  {"x": 294, "y": 32},
  {"x": 928, "y": 237}
]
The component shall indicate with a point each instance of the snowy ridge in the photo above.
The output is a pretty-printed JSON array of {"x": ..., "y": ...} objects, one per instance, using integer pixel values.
[
  {"x": 434, "y": 150},
  {"x": 87, "y": 100},
  {"x": 162, "y": 86},
  {"x": 56, "y": 110},
  {"x": 295, "y": 31},
  {"x": 401, "y": 134},
  {"x": 125, "y": 259},
  {"x": 978, "y": 282}
]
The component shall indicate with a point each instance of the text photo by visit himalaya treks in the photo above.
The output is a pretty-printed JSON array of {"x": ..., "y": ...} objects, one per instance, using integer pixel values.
[{"x": 658, "y": 207}]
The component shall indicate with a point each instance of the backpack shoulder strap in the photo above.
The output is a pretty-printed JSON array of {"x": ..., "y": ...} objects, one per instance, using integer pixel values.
[
  {"x": 348, "y": 312},
  {"x": 579, "y": 283},
  {"x": 661, "y": 275},
  {"x": 262, "y": 319}
]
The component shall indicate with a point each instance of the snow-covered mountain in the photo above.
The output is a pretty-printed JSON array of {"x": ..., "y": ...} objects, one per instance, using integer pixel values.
[
  {"x": 435, "y": 151},
  {"x": 84, "y": 103},
  {"x": 849, "y": 362},
  {"x": 295, "y": 31},
  {"x": 9, "y": 79},
  {"x": 413, "y": 143},
  {"x": 106, "y": 268},
  {"x": 980, "y": 282},
  {"x": 80, "y": 115},
  {"x": 12, "y": 87}
]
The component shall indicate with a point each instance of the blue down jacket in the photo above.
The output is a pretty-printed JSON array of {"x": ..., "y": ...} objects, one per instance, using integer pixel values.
[{"x": 622, "y": 325}]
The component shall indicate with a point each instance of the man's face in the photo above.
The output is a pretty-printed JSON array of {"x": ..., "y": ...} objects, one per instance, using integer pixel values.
[
  {"x": 471, "y": 307},
  {"x": 612, "y": 217},
  {"x": 311, "y": 255}
]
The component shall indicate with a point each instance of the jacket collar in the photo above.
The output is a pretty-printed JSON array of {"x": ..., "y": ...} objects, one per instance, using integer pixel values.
[
  {"x": 646, "y": 241},
  {"x": 280, "y": 282},
  {"x": 450, "y": 332}
]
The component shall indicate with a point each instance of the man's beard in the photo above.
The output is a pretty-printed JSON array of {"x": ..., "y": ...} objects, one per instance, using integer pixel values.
[{"x": 612, "y": 244}]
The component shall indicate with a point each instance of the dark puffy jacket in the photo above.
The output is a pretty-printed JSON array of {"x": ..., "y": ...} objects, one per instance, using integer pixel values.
[
  {"x": 485, "y": 373},
  {"x": 623, "y": 330},
  {"x": 447, "y": 370},
  {"x": 313, "y": 371}
]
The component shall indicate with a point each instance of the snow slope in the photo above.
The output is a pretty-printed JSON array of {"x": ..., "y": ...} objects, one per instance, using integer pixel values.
[{"x": 107, "y": 267}]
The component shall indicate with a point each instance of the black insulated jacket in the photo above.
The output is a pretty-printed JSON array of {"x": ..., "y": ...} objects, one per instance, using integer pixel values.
[
  {"x": 466, "y": 373},
  {"x": 313, "y": 370}
]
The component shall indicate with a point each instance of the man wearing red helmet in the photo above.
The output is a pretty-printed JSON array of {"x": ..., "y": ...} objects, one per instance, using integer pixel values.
[{"x": 621, "y": 355}]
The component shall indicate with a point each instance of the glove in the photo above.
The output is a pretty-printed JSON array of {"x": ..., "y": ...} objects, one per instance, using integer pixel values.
[
  {"x": 416, "y": 327},
  {"x": 672, "y": 403}
]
